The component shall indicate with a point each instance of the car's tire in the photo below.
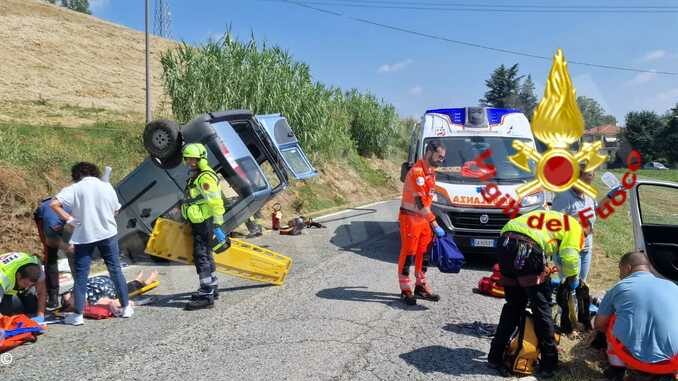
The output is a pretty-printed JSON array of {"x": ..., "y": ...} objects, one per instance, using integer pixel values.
[
  {"x": 168, "y": 163},
  {"x": 162, "y": 139}
]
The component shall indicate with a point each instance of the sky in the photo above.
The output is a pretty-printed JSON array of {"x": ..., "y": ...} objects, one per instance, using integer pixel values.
[{"x": 415, "y": 73}]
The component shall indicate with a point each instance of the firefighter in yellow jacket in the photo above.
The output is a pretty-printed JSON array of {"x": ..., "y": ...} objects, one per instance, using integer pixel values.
[
  {"x": 524, "y": 246},
  {"x": 19, "y": 274},
  {"x": 203, "y": 207}
]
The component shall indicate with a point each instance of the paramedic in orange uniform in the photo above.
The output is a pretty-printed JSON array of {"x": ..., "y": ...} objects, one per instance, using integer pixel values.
[{"x": 418, "y": 223}]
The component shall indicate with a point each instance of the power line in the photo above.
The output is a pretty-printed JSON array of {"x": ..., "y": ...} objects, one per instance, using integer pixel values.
[
  {"x": 471, "y": 44},
  {"x": 485, "y": 8},
  {"x": 483, "y": 5}
]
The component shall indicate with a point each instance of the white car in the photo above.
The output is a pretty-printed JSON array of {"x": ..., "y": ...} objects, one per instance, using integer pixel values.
[{"x": 654, "y": 165}]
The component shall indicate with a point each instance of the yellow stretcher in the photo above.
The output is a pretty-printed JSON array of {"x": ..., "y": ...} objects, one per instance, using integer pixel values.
[{"x": 172, "y": 240}]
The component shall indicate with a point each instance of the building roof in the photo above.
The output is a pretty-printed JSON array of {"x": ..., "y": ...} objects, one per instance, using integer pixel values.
[{"x": 606, "y": 130}]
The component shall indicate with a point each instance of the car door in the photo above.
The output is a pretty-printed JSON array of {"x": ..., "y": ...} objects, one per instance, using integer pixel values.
[
  {"x": 287, "y": 145},
  {"x": 654, "y": 213}
]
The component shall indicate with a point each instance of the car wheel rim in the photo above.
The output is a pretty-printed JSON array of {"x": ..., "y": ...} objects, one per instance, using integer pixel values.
[{"x": 161, "y": 139}]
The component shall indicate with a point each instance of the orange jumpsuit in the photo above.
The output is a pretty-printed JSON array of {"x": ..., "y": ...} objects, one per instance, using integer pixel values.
[{"x": 415, "y": 224}]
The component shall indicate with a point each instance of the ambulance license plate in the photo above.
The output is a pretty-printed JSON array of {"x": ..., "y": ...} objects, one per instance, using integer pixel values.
[{"x": 482, "y": 242}]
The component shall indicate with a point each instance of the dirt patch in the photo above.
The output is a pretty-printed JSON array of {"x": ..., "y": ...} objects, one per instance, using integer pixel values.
[
  {"x": 17, "y": 198},
  {"x": 56, "y": 55}
]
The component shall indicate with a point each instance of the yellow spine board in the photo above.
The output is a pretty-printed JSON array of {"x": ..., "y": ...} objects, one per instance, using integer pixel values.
[
  {"x": 172, "y": 240},
  {"x": 144, "y": 289}
]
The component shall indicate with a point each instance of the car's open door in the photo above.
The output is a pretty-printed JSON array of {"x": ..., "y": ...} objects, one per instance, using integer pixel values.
[
  {"x": 654, "y": 212},
  {"x": 284, "y": 140}
]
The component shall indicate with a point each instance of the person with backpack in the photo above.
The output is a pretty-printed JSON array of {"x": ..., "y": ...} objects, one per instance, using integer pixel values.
[
  {"x": 418, "y": 223},
  {"x": 524, "y": 246}
]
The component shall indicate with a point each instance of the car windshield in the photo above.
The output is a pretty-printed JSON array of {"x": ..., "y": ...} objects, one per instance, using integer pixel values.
[{"x": 459, "y": 165}]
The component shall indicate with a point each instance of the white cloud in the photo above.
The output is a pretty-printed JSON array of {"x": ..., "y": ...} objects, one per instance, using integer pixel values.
[
  {"x": 642, "y": 78},
  {"x": 669, "y": 95},
  {"x": 655, "y": 55},
  {"x": 588, "y": 87},
  {"x": 389, "y": 68},
  {"x": 416, "y": 91},
  {"x": 98, "y": 5}
]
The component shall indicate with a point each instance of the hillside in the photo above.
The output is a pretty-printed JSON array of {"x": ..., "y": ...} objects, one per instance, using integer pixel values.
[
  {"x": 72, "y": 89},
  {"x": 56, "y": 56}
]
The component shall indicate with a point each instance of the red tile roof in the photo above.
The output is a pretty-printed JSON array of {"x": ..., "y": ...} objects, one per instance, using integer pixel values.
[{"x": 607, "y": 130}]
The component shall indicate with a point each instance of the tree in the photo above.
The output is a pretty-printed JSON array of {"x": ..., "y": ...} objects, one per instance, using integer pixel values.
[
  {"x": 594, "y": 115},
  {"x": 77, "y": 5},
  {"x": 504, "y": 84},
  {"x": 668, "y": 137},
  {"x": 527, "y": 101},
  {"x": 643, "y": 131}
]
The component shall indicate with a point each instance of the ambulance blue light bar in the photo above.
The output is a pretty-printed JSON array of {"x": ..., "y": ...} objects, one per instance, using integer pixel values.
[{"x": 457, "y": 115}]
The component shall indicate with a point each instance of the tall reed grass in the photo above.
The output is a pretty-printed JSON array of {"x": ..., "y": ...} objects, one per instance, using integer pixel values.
[{"x": 233, "y": 74}]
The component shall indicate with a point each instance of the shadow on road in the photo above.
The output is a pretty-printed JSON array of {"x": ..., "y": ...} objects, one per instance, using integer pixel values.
[
  {"x": 179, "y": 300},
  {"x": 360, "y": 294},
  {"x": 452, "y": 361},
  {"x": 477, "y": 329},
  {"x": 373, "y": 239}
]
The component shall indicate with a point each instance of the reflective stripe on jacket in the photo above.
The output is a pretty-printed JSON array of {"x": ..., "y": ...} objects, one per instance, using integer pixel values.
[
  {"x": 419, "y": 182},
  {"x": 203, "y": 198},
  {"x": 9, "y": 265},
  {"x": 567, "y": 240}
]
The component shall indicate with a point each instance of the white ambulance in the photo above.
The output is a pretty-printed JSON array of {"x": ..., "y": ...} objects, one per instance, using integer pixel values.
[{"x": 467, "y": 133}]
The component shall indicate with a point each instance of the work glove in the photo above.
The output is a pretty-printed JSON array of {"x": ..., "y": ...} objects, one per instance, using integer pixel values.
[
  {"x": 219, "y": 234},
  {"x": 39, "y": 319},
  {"x": 440, "y": 232},
  {"x": 573, "y": 282}
]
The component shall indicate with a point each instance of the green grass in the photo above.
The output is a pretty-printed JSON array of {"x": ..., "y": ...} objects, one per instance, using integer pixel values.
[
  {"x": 41, "y": 148},
  {"x": 375, "y": 177},
  {"x": 614, "y": 235},
  {"x": 312, "y": 197}
]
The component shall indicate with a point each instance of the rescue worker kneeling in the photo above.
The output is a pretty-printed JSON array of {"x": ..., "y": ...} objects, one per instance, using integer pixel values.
[
  {"x": 19, "y": 274},
  {"x": 418, "y": 223},
  {"x": 203, "y": 207},
  {"x": 522, "y": 257}
]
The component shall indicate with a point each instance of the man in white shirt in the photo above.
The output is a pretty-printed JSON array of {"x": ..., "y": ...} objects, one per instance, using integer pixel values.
[{"x": 93, "y": 205}]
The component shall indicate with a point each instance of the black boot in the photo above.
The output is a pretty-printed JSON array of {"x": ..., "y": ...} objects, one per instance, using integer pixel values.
[
  {"x": 408, "y": 297},
  {"x": 206, "y": 301},
  {"x": 201, "y": 292},
  {"x": 420, "y": 292},
  {"x": 52, "y": 300}
]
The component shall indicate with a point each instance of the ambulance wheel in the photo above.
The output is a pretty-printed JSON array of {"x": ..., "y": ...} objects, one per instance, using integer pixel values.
[{"x": 162, "y": 139}]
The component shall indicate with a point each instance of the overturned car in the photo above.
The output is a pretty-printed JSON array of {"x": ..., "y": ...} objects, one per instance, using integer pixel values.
[{"x": 251, "y": 154}]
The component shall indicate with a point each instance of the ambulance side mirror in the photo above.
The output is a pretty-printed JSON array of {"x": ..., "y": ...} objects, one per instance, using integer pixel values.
[{"x": 404, "y": 168}]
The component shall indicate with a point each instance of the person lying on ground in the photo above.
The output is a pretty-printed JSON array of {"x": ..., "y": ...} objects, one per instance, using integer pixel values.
[
  {"x": 643, "y": 310},
  {"x": 21, "y": 275},
  {"x": 101, "y": 291}
]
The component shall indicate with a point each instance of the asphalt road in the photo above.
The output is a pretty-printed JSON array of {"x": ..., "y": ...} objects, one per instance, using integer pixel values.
[{"x": 338, "y": 317}]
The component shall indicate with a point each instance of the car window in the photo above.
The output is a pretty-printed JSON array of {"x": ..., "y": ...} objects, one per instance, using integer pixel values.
[{"x": 653, "y": 206}]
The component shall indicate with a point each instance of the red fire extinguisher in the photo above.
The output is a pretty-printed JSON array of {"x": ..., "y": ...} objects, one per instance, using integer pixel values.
[{"x": 276, "y": 216}]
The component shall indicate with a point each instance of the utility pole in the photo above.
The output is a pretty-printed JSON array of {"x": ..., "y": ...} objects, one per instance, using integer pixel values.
[{"x": 148, "y": 69}]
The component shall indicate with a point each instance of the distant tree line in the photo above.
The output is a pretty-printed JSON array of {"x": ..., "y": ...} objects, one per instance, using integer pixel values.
[
  {"x": 655, "y": 136},
  {"x": 76, "y": 5}
]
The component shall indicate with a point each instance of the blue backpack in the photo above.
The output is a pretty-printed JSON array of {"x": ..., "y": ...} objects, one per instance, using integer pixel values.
[{"x": 445, "y": 254}]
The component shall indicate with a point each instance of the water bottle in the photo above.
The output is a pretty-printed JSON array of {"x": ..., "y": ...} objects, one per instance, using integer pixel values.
[
  {"x": 610, "y": 180},
  {"x": 106, "y": 177}
]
